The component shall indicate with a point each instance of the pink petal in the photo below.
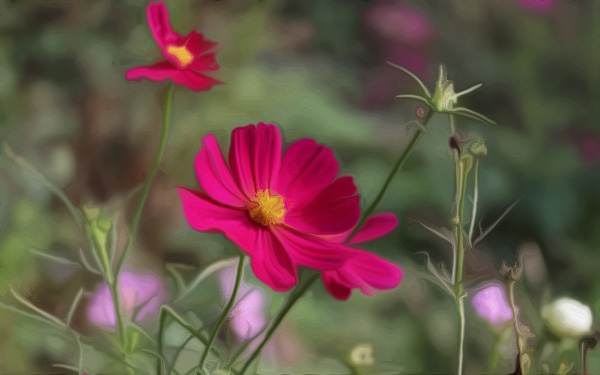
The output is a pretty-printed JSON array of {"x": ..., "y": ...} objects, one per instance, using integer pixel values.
[
  {"x": 374, "y": 227},
  {"x": 205, "y": 62},
  {"x": 214, "y": 175},
  {"x": 206, "y": 215},
  {"x": 255, "y": 157},
  {"x": 307, "y": 167},
  {"x": 334, "y": 286},
  {"x": 335, "y": 209},
  {"x": 312, "y": 251},
  {"x": 165, "y": 70},
  {"x": 343, "y": 267},
  {"x": 270, "y": 262},
  {"x": 158, "y": 20},
  {"x": 375, "y": 271}
]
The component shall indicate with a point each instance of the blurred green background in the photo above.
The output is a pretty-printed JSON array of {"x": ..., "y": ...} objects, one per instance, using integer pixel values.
[{"x": 317, "y": 69}]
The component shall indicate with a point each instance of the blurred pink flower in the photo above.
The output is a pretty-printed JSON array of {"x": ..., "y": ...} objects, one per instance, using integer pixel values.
[
  {"x": 248, "y": 316},
  {"x": 140, "y": 296},
  {"x": 399, "y": 24},
  {"x": 186, "y": 56},
  {"x": 537, "y": 5},
  {"x": 491, "y": 304},
  {"x": 403, "y": 35},
  {"x": 283, "y": 210}
]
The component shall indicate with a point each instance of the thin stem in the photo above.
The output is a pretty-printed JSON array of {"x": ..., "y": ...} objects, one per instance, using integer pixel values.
[
  {"x": 135, "y": 221},
  {"x": 161, "y": 326},
  {"x": 494, "y": 355},
  {"x": 458, "y": 265},
  {"x": 475, "y": 199},
  {"x": 225, "y": 314},
  {"x": 511, "y": 297},
  {"x": 583, "y": 348},
  {"x": 120, "y": 325},
  {"x": 298, "y": 292},
  {"x": 457, "y": 225},
  {"x": 397, "y": 165},
  {"x": 461, "y": 342}
]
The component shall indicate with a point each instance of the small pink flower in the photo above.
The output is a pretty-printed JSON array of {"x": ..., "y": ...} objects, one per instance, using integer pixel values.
[
  {"x": 284, "y": 210},
  {"x": 537, "y": 5},
  {"x": 247, "y": 317},
  {"x": 186, "y": 56},
  {"x": 491, "y": 304},
  {"x": 140, "y": 296}
]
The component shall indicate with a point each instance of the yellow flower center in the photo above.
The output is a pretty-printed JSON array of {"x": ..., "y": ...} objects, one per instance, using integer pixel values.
[
  {"x": 182, "y": 54},
  {"x": 269, "y": 209}
]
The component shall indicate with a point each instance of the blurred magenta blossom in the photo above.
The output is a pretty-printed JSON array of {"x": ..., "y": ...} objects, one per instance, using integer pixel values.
[
  {"x": 186, "y": 56},
  {"x": 491, "y": 304},
  {"x": 140, "y": 297},
  {"x": 247, "y": 317},
  {"x": 537, "y": 5}
]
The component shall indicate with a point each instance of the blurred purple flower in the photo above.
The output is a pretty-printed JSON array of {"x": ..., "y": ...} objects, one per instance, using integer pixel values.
[
  {"x": 491, "y": 304},
  {"x": 537, "y": 5},
  {"x": 140, "y": 296},
  {"x": 247, "y": 317}
]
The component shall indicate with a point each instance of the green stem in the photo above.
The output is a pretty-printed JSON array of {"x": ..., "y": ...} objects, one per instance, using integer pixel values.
[
  {"x": 457, "y": 225},
  {"x": 225, "y": 314},
  {"x": 298, "y": 292},
  {"x": 475, "y": 199},
  {"x": 161, "y": 326},
  {"x": 461, "y": 342},
  {"x": 135, "y": 222},
  {"x": 397, "y": 165}
]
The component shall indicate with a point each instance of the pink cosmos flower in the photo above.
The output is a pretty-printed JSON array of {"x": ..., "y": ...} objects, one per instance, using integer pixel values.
[
  {"x": 185, "y": 56},
  {"x": 491, "y": 304},
  {"x": 140, "y": 296},
  {"x": 286, "y": 211}
]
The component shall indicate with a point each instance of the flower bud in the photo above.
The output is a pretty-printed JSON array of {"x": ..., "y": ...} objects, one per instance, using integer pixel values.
[{"x": 568, "y": 317}]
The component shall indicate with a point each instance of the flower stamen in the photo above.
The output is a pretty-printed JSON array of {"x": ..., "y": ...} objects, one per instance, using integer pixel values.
[
  {"x": 182, "y": 54},
  {"x": 269, "y": 209}
]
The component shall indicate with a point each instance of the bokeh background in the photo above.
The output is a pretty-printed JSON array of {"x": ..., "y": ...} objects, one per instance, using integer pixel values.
[{"x": 316, "y": 68}]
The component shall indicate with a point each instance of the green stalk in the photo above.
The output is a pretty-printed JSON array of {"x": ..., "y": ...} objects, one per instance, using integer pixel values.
[
  {"x": 457, "y": 225},
  {"x": 225, "y": 314},
  {"x": 397, "y": 165},
  {"x": 135, "y": 222},
  {"x": 475, "y": 199},
  {"x": 298, "y": 292},
  {"x": 161, "y": 326}
]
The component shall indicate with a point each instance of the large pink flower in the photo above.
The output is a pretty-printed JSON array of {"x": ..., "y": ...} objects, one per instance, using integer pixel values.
[
  {"x": 285, "y": 211},
  {"x": 186, "y": 56}
]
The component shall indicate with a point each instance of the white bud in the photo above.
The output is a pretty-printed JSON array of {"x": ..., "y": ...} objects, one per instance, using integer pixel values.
[{"x": 568, "y": 317}]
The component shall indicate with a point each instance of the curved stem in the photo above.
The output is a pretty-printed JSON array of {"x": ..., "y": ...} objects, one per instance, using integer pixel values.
[
  {"x": 135, "y": 221},
  {"x": 397, "y": 165},
  {"x": 225, "y": 314},
  {"x": 298, "y": 292}
]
